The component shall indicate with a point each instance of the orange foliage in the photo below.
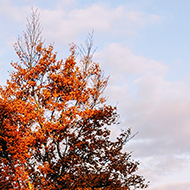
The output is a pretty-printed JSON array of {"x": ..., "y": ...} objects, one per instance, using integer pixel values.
[{"x": 53, "y": 123}]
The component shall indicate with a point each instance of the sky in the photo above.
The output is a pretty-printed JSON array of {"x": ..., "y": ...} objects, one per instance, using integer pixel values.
[{"x": 144, "y": 46}]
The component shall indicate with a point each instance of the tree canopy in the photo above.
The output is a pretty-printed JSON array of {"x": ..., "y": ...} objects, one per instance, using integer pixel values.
[{"x": 54, "y": 122}]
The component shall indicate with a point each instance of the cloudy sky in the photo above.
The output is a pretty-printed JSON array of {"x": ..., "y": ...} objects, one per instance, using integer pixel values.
[{"x": 144, "y": 46}]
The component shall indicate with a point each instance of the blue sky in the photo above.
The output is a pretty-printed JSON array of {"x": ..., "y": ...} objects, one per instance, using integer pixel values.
[{"x": 144, "y": 46}]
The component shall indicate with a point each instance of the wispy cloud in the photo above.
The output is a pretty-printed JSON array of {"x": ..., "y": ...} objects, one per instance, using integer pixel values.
[
  {"x": 68, "y": 25},
  {"x": 153, "y": 106}
]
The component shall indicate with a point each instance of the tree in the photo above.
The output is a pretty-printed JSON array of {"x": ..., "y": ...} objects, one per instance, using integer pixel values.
[{"x": 54, "y": 122}]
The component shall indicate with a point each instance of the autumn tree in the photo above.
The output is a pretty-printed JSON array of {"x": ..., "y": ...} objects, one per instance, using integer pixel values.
[{"x": 54, "y": 122}]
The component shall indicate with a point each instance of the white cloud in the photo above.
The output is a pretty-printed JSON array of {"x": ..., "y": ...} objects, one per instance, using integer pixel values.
[
  {"x": 158, "y": 105},
  {"x": 65, "y": 22},
  {"x": 173, "y": 186},
  {"x": 15, "y": 13},
  {"x": 158, "y": 109},
  {"x": 123, "y": 61},
  {"x": 63, "y": 25}
]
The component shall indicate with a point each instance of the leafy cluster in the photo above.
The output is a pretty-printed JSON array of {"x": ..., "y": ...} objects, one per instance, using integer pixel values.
[{"x": 53, "y": 123}]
